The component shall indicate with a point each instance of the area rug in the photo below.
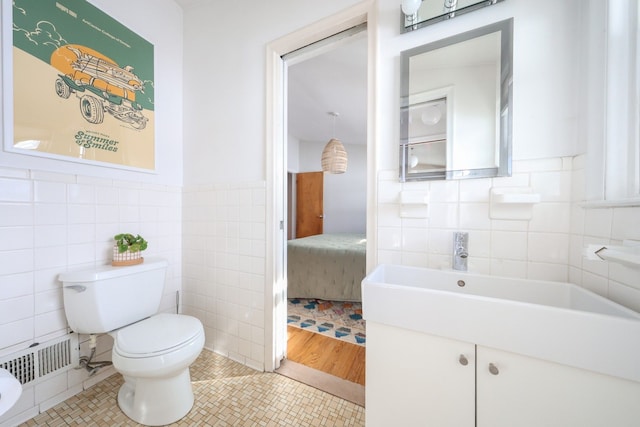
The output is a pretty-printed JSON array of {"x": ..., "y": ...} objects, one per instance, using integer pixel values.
[{"x": 336, "y": 319}]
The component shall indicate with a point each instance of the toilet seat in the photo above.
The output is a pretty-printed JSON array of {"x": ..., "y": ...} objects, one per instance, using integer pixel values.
[{"x": 157, "y": 335}]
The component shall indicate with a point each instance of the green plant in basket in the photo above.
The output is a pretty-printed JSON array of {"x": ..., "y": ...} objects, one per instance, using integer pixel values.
[{"x": 129, "y": 242}]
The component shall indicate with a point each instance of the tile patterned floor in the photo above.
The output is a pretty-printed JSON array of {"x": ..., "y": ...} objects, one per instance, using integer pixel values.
[{"x": 226, "y": 393}]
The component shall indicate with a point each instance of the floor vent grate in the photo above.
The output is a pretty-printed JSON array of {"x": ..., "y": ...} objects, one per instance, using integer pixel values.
[{"x": 40, "y": 360}]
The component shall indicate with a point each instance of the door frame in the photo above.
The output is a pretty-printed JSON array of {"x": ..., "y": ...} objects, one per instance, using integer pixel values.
[{"x": 276, "y": 154}]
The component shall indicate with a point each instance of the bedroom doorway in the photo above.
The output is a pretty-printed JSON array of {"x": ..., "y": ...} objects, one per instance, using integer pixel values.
[
  {"x": 277, "y": 152},
  {"x": 324, "y": 77}
]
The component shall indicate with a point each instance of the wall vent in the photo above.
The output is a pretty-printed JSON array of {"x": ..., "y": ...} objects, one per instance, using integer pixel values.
[{"x": 39, "y": 361}]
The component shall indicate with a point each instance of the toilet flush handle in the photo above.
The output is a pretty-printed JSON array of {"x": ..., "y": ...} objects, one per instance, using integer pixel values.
[{"x": 77, "y": 288}]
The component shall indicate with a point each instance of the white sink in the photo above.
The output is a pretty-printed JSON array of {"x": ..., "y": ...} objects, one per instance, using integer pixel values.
[
  {"x": 554, "y": 321},
  {"x": 10, "y": 390}
]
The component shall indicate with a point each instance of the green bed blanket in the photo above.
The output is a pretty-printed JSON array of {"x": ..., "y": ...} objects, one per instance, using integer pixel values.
[{"x": 326, "y": 266}]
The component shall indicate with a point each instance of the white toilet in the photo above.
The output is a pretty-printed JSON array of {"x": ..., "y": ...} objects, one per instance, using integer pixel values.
[{"x": 152, "y": 351}]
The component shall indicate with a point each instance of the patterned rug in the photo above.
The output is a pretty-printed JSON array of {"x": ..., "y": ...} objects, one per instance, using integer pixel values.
[{"x": 336, "y": 319}]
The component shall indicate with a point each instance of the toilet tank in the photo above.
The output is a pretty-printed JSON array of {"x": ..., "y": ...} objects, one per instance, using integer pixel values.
[{"x": 105, "y": 298}]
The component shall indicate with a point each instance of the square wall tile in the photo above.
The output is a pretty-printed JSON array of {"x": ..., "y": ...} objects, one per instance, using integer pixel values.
[
  {"x": 443, "y": 215},
  {"x": 552, "y": 186},
  {"x": 549, "y": 247},
  {"x": 597, "y": 222},
  {"x": 626, "y": 223},
  {"x": 16, "y": 285},
  {"x": 16, "y": 332},
  {"x": 509, "y": 268},
  {"x": 50, "y": 387},
  {"x": 12, "y": 238},
  {"x": 50, "y": 322},
  {"x": 480, "y": 243},
  {"x": 15, "y": 190},
  {"x": 106, "y": 195},
  {"x": 576, "y": 220},
  {"x": 389, "y": 238},
  {"x": 49, "y": 192},
  {"x": 81, "y": 194},
  {"x": 414, "y": 239},
  {"x": 50, "y": 235},
  {"x": 14, "y": 309},
  {"x": 475, "y": 190},
  {"x": 51, "y": 257},
  {"x": 47, "y": 214},
  {"x": 441, "y": 242},
  {"x": 624, "y": 275},
  {"x": 551, "y": 217},
  {"x": 443, "y": 191},
  {"x": 474, "y": 216},
  {"x": 509, "y": 245},
  {"x": 47, "y": 301},
  {"x": 551, "y": 272},
  {"x": 19, "y": 261},
  {"x": 14, "y": 214},
  {"x": 414, "y": 259}
]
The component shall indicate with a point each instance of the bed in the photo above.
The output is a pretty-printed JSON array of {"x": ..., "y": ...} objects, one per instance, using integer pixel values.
[{"x": 326, "y": 266}]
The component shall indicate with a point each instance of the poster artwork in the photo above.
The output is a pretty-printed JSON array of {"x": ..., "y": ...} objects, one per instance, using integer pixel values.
[{"x": 82, "y": 86}]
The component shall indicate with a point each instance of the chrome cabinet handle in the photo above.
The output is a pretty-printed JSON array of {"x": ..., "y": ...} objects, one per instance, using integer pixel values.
[
  {"x": 463, "y": 360},
  {"x": 493, "y": 369}
]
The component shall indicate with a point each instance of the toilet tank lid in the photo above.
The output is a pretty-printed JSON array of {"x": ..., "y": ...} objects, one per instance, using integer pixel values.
[{"x": 108, "y": 271}]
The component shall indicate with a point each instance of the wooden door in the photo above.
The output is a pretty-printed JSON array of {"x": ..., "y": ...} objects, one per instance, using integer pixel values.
[{"x": 309, "y": 206}]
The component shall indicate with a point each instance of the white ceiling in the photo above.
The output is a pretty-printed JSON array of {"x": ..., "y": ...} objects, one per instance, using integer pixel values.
[{"x": 330, "y": 79}]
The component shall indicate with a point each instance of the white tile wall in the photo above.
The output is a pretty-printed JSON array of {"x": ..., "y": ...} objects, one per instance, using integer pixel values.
[
  {"x": 602, "y": 226},
  {"x": 549, "y": 246},
  {"x": 224, "y": 267},
  {"x": 214, "y": 238},
  {"x": 536, "y": 248},
  {"x": 51, "y": 222}
]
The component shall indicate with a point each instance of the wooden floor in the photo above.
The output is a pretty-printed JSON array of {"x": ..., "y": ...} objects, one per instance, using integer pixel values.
[{"x": 333, "y": 356}]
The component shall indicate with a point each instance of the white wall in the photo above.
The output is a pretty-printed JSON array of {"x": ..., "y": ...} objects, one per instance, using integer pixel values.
[
  {"x": 345, "y": 195},
  {"x": 58, "y": 215},
  {"x": 225, "y": 82}
]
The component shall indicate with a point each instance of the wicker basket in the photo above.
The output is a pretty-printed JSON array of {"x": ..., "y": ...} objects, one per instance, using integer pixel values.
[
  {"x": 121, "y": 259},
  {"x": 334, "y": 157}
]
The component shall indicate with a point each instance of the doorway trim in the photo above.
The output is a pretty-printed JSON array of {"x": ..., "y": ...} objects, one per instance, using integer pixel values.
[{"x": 275, "y": 134}]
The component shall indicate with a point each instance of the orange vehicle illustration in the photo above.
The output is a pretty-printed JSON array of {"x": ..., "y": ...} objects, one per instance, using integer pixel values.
[{"x": 99, "y": 83}]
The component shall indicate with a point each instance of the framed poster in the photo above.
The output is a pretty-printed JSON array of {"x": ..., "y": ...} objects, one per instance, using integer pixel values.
[{"x": 82, "y": 86}]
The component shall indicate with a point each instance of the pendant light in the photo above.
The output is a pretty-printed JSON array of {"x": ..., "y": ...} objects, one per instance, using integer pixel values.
[{"x": 334, "y": 156}]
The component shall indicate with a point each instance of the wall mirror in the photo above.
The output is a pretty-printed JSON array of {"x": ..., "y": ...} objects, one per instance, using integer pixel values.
[
  {"x": 456, "y": 106},
  {"x": 419, "y": 13}
]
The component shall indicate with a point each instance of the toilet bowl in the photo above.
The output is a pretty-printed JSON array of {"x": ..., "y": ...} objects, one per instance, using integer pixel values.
[
  {"x": 154, "y": 356},
  {"x": 153, "y": 351}
]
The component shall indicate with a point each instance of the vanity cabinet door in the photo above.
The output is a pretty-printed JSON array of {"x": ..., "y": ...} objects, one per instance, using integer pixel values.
[
  {"x": 414, "y": 379},
  {"x": 516, "y": 390}
]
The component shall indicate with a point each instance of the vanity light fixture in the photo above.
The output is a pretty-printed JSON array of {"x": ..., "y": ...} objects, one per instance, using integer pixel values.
[
  {"x": 334, "y": 156},
  {"x": 410, "y": 8},
  {"x": 416, "y": 15}
]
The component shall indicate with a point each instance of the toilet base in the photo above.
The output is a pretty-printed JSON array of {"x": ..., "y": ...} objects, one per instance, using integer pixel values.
[{"x": 156, "y": 402}]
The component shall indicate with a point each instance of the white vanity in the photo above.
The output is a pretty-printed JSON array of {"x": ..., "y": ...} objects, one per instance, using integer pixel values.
[{"x": 446, "y": 348}]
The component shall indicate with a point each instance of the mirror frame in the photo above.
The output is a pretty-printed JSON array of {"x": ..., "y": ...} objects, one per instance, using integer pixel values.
[{"x": 506, "y": 104}]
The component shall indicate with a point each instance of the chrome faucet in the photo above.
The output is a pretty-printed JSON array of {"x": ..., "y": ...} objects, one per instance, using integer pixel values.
[{"x": 460, "y": 250}]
